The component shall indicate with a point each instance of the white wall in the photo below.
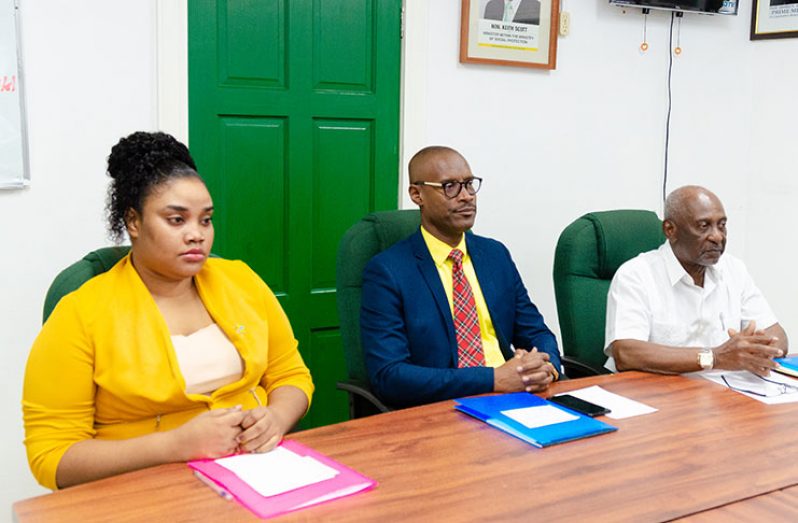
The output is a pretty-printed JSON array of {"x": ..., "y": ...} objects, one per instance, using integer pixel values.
[
  {"x": 589, "y": 135},
  {"x": 551, "y": 145},
  {"x": 772, "y": 183},
  {"x": 89, "y": 79}
]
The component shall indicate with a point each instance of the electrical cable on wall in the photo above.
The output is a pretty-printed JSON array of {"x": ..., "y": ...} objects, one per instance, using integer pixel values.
[{"x": 671, "y": 52}]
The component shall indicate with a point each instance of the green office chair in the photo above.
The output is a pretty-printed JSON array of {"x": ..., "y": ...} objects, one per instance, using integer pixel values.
[
  {"x": 588, "y": 253},
  {"x": 68, "y": 280},
  {"x": 371, "y": 235}
]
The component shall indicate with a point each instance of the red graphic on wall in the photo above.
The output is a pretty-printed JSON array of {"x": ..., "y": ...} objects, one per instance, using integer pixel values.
[{"x": 8, "y": 84}]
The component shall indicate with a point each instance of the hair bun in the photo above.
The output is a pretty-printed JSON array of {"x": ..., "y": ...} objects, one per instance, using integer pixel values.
[{"x": 144, "y": 155}]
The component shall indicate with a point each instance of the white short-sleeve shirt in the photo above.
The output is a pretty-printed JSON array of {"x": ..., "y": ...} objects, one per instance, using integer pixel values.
[{"x": 652, "y": 298}]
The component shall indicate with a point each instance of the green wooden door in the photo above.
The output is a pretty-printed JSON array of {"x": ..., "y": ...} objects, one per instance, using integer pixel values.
[{"x": 293, "y": 121}]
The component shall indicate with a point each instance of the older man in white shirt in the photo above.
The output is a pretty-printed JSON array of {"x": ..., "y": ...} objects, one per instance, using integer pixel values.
[{"x": 686, "y": 306}]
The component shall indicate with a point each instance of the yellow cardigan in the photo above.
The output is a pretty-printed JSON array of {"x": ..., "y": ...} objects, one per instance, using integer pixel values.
[{"x": 103, "y": 366}]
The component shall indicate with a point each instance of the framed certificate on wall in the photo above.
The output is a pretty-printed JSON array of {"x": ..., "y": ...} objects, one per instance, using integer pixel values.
[
  {"x": 774, "y": 19},
  {"x": 520, "y": 33}
]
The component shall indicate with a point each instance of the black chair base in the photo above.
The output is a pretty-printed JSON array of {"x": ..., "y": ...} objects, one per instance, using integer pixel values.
[
  {"x": 362, "y": 402},
  {"x": 576, "y": 369}
]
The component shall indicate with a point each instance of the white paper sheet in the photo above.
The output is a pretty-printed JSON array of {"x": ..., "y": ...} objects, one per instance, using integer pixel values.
[
  {"x": 620, "y": 406},
  {"x": 534, "y": 417},
  {"x": 277, "y": 471},
  {"x": 747, "y": 381}
]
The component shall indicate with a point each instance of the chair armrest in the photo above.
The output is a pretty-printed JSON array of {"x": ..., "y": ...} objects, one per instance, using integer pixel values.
[
  {"x": 574, "y": 368},
  {"x": 358, "y": 389}
]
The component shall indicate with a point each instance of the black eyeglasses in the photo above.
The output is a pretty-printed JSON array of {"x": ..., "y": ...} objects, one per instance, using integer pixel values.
[
  {"x": 781, "y": 388},
  {"x": 452, "y": 188}
]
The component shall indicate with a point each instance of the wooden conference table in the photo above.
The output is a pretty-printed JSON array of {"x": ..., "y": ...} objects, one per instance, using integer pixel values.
[{"x": 707, "y": 454}]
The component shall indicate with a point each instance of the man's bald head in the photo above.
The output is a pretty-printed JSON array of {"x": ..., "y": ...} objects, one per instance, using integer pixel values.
[
  {"x": 429, "y": 160},
  {"x": 695, "y": 225},
  {"x": 680, "y": 203}
]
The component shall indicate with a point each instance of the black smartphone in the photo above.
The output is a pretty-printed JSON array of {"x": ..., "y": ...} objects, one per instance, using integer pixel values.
[{"x": 579, "y": 405}]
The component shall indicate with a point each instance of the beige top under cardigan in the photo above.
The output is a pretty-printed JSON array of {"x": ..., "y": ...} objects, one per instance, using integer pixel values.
[{"x": 207, "y": 359}]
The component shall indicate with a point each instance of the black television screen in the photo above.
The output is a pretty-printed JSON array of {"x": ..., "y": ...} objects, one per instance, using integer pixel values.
[{"x": 723, "y": 7}]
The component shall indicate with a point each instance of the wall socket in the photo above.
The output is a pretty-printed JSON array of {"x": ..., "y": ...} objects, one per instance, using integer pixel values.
[{"x": 565, "y": 23}]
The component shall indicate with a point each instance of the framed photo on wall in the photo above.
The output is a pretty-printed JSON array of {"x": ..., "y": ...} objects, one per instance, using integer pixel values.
[
  {"x": 774, "y": 19},
  {"x": 520, "y": 33}
]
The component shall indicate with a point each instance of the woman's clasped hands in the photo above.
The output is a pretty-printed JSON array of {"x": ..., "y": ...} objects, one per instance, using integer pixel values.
[
  {"x": 221, "y": 432},
  {"x": 263, "y": 429}
]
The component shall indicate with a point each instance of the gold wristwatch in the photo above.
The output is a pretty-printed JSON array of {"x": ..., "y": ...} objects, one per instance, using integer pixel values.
[{"x": 706, "y": 359}]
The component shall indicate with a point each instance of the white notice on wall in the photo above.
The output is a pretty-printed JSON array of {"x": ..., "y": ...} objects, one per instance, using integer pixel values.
[{"x": 13, "y": 147}]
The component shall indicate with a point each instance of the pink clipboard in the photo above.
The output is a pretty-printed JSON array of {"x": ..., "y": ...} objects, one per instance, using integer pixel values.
[{"x": 346, "y": 483}]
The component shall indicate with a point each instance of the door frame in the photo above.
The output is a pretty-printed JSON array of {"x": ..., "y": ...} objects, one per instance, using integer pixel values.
[{"x": 171, "y": 73}]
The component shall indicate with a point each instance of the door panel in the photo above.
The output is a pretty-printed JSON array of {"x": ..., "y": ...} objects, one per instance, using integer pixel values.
[
  {"x": 247, "y": 26},
  {"x": 342, "y": 172},
  {"x": 294, "y": 123},
  {"x": 344, "y": 61},
  {"x": 255, "y": 148}
]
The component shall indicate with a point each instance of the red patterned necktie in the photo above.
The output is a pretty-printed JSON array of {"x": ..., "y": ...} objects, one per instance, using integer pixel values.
[{"x": 466, "y": 321}]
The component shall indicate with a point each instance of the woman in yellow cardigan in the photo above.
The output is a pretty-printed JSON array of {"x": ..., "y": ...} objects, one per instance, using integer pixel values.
[{"x": 169, "y": 356}]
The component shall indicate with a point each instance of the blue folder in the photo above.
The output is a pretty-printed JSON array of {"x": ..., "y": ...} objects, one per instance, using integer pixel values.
[
  {"x": 789, "y": 365},
  {"x": 489, "y": 409}
]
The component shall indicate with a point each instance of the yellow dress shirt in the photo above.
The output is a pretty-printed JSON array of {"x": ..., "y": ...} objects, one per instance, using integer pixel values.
[{"x": 440, "y": 253}]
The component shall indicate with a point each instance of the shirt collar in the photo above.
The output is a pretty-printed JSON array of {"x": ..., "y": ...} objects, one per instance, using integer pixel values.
[
  {"x": 676, "y": 272},
  {"x": 440, "y": 250}
]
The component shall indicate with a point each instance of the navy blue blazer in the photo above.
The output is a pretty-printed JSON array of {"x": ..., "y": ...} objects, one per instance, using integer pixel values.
[{"x": 406, "y": 323}]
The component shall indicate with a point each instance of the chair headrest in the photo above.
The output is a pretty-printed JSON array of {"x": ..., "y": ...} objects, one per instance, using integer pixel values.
[
  {"x": 103, "y": 259},
  {"x": 71, "y": 278},
  {"x": 622, "y": 235},
  {"x": 371, "y": 235},
  {"x": 392, "y": 226}
]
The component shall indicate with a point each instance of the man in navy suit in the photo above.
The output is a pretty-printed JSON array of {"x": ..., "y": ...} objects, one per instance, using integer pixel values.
[
  {"x": 437, "y": 324},
  {"x": 523, "y": 12}
]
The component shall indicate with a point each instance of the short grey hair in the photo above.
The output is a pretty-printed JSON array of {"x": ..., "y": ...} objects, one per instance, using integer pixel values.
[{"x": 677, "y": 201}]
